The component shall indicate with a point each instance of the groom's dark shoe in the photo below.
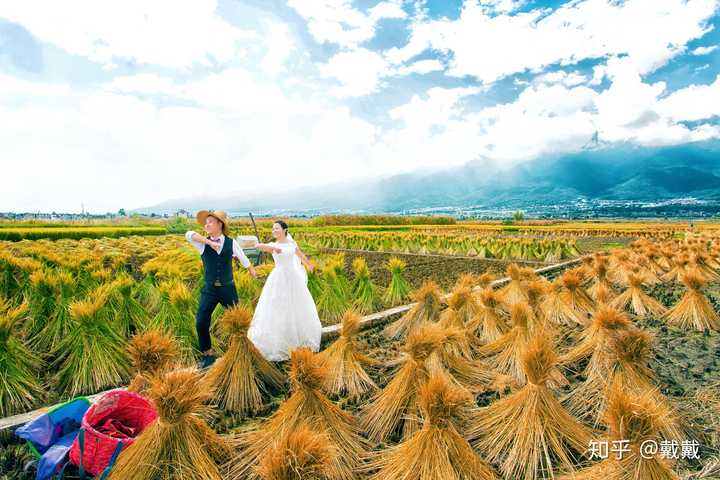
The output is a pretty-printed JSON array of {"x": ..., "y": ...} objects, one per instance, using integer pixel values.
[{"x": 206, "y": 361}]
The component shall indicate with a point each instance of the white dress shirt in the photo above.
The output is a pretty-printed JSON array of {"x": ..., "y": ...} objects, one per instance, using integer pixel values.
[{"x": 237, "y": 251}]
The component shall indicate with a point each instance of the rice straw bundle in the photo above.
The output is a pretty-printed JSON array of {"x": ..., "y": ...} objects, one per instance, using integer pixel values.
[
  {"x": 638, "y": 418},
  {"x": 365, "y": 293},
  {"x": 42, "y": 299},
  {"x": 574, "y": 296},
  {"x": 20, "y": 387},
  {"x": 638, "y": 302},
  {"x": 461, "y": 314},
  {"x": 176, "y": 314},
  {"x": 484, "y": 280},
  {"x": 242, "y": 377},
  {"x": 507, "y": 350},
  {"x": 179, "y": 444},
  {"x": 345, "y": 364},
  {"x": 92, "y": 356},
  {"x": 474, "y": 375},
  {"x": 427, "y": 309},
  {"x": 605, "y": 321},
  {"x": 398, "y": 290},
  {"x": 315, "y": 284},
  {"x": 693, "y": 310},
  {"x": 466, "y": 280},
  {"x": 600, "y": 277},
  {"x": 128, "y": 314},
  {"x": 337, "y": 263},
  {"x": 334, "y": 299},
  {"x": 489, "y": 324},
  {"x": 49, "y": 309},
  {"x": 552, "y": 308},
  {"x": 301, "y": 455},
  {"x": 633, "y": 419},
  {"x": 624, "y": 361},
  {"x": 620, "y": 265},
  {"x": 395, "y": 407},
  {"x": 152, "y": 353},
  {"x": 248, "y": 289},
  {"x": 566, "y": 302},
  {"x": 536, "y": 291},
  {"x": 528, "y": 432},
  {"x": 306, "y": 405},
  {"x": 437, "y": 450},
  {"x": 680, "y": 265},
  {"x": 702, "y": 263},
  {"x": 603, "y": 296},
  {"x": 514, "y": 291}
]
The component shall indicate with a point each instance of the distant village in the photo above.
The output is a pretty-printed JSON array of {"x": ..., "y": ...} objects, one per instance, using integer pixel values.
[{"x": 59, "y": 217}]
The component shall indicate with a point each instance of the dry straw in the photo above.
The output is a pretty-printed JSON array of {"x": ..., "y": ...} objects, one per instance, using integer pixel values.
[
  {"x": 179, "y": 445},
  {"x": 306, "y": 405},
  {"x": 301, "y": 455},
  {"x": 20, "y": 388},
  {"x": 631, "y": 420},
  {"x": 395, "y": 408},
  {"x": 605, "y": 321},
  {"x": 346, "y": 364},
  {"x": 693, "y": 310},
  {"x": 437, "y": 450},
  {"x": 636, "y": 300},
  {"x": 514, "y": 291},
  {"x": 427, "y": 309},
  {"x": 528, "y": 432},
  {"x": 624, "y": 361},
  {"x": 506, "y": 353},
  {"x": 241, "y": 378},
  {"x": 93, "y": 355},
  {"x": 461, "y": 313},
  {"x": 151, "y": 353},
  {"x": 490, "y": 323}
]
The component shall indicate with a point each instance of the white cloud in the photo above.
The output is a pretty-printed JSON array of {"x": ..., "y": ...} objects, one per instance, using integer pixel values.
[
  {"x": 112, "y": 149},
  {"x": 173, "y": 33},
  {"x": 140, "y": 139},
  {"x": 704, "y": 50},
  {"x": 12, "y": 87},
  {"x": 421, "y": 67},
  {"x": 491, "y": 47},
  {"x": 143, "y": 83},
  {"x": 502, "y": 6},
  {"x": 337, "y": 21},
  {"x": 280, "y": 45},
  {"x": 568, "y": 79},
  {"x": 693, "y": 103},
  {"x": 359, "y": 72}
]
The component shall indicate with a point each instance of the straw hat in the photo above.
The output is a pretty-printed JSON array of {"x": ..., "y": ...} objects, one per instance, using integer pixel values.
[{"x": 219, "y": 215}]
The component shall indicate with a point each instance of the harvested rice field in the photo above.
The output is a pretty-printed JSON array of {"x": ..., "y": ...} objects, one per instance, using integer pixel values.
[{"x": 527, "y": 378}]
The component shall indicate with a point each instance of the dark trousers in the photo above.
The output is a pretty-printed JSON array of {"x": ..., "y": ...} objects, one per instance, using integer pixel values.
[{"x": 209, "y": 298}]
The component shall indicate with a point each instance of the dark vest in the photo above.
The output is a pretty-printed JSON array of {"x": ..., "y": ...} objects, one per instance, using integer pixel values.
[{"x": 218, "y": 268}]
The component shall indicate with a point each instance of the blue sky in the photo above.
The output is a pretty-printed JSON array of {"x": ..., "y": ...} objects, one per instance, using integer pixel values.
[{"x": 126, "y": 104}]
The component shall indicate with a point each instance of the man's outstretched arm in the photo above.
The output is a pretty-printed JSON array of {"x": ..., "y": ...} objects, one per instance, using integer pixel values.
[{"x": 197, "y": 240}]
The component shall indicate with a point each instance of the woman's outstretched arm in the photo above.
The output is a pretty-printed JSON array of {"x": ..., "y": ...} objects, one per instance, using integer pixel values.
[
  {"x": 267, "y": 248},
  {"x": 303, "y": 258}
]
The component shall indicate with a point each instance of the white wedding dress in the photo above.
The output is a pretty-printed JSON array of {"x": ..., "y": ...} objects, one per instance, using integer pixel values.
[{"x": 285, "y": 316}]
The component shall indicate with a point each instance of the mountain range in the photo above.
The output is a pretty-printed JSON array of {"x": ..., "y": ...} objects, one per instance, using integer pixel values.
[{"x": 605, "y": 176}]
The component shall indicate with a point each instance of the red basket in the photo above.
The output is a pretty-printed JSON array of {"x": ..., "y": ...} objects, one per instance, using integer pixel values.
[{"x": 117, "y": 417}]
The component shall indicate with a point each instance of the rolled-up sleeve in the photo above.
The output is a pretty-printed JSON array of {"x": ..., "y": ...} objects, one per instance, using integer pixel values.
[
  {"x": 240, "y": 254},
  {"x": 200, "y": 247}
]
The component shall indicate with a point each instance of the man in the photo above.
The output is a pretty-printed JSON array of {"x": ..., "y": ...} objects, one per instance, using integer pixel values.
[{"x": 217, "y": 266}]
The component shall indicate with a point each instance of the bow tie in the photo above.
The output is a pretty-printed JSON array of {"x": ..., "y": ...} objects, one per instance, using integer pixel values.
[{"x": 215, "y": 239}]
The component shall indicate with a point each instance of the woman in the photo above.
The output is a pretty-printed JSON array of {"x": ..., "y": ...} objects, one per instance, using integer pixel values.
[{"x": 285, "y": 316}]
